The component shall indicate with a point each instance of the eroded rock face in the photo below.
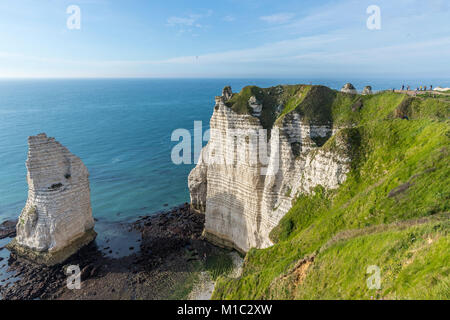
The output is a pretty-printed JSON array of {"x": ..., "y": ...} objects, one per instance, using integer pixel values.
[
  {"x": 197, "y": 183},
  {"x": 349, "y": 88},
  {"x": 57, "y": 218},
  {"x": 244, "y": 199},
  {"x": 227, "y": 93},
  {"x": 367, "y": 90},
  {"x": 255, "y": 105}
]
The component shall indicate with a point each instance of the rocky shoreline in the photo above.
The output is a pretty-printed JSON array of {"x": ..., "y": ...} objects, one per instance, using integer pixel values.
[
  {"x": 8, "y": 229},
  {"x": 171, "y": 250}
]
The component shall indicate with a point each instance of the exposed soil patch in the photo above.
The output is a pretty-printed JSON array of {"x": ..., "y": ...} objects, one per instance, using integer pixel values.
[
  {"x": 400, "y": 189},
  {"x": 301, "y": 271},
  {"x": 357, "y": 106}
]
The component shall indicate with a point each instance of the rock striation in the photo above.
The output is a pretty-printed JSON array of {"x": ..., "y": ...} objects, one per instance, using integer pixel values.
[
  {"x": 57, "y": 218},
  {"x": 349, "y": 88},
  {"x": 247, "y": 177},
  {"x": 255, "y": 105}
]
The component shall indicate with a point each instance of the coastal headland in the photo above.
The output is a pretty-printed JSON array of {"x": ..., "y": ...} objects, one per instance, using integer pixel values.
[{"x": 352, "y": 183}]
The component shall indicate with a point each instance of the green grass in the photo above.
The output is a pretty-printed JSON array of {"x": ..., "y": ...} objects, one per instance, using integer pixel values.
[
  {"x": 321, "y": 105},
  {"x": 444, "y": 97},
  {"x": 312, "y": 102},
  {"x": 414, "y": 264},
  {"x": 239, "y": 104},
  {"x": 399, "y": 172},
  {"x": 295, "y": 97},
  {"x": 183, "y": 288},
  {"x": 219, "y": 265}
]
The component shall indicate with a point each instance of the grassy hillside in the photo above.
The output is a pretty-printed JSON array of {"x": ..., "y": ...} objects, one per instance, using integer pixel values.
[{"x": 392, "y": 211}]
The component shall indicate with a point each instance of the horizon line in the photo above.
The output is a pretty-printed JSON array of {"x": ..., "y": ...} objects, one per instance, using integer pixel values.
[{"x": 226, "y": 77}]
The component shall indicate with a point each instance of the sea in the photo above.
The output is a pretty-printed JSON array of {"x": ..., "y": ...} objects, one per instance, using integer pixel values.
[{"x": 121, "y": 129}]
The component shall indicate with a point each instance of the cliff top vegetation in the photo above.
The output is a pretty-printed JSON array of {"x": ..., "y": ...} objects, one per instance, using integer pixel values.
[{"x": 392, "y": 211}]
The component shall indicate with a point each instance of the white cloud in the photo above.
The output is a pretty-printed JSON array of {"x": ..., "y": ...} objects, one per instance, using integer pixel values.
[
  {"x": 229, "y": 18},
  {"x": 411, "y": 41},
  {"x": 296, "y": 56},
  {"x": 190, "y": 21},
  {"x": 278, "y": 18}
]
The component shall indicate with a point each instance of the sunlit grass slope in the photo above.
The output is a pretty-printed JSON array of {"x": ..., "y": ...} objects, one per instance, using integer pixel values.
[{"x": 392, "y": 211}]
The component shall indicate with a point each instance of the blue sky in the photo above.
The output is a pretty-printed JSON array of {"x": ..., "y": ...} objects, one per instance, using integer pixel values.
[{"x": 226, "y": 38}]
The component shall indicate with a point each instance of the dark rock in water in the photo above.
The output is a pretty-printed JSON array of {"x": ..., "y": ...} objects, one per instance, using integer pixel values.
[
  {"x": 162, "y": 251},
  {"x": 42, "y": 282},
  {"x": 166, "y": 204},
  {"x": 8, "y": 229}
]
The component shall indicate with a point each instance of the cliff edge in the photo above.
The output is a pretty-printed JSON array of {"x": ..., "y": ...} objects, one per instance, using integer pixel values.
[
  {"x": 382, "y": 233},
  {"x": 267, "y": 147}
]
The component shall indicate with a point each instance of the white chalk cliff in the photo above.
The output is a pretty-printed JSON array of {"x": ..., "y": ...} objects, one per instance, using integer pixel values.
[
  {"x": 57, "y": 218},
  {"x": 244, "y": 199}
]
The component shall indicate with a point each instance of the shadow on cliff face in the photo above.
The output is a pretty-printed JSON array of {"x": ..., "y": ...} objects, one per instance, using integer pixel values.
[{"x": 226, "y": 225}]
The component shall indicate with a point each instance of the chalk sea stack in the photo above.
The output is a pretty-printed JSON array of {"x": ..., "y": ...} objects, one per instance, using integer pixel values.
[
  {"x": 57, "y": 218},
  {"x": 349, "y": 88}
]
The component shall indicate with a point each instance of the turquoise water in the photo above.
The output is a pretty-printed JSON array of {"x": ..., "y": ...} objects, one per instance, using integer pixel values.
[{"x": 121, "y": 129}]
